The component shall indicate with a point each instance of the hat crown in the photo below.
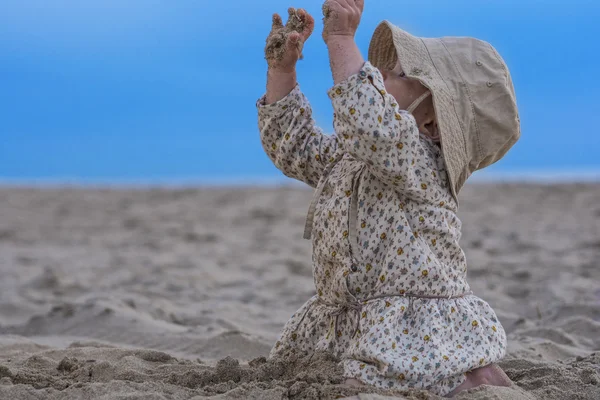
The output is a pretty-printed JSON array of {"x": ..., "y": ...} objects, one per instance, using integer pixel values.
[{"x": 473, "y": 94}]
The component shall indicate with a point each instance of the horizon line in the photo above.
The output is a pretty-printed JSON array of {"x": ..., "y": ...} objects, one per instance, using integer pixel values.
[{"x": 517, "y": 176}]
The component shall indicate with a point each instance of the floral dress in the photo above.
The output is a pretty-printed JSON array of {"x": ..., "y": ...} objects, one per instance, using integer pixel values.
[{"x": 392, "y": 300}]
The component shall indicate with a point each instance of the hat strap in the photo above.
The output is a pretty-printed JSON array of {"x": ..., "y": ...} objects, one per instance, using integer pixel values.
[{"x": 418, "y": 102}]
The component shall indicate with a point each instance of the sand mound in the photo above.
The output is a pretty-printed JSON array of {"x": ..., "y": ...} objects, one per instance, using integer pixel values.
[
  {"x": 92, "y": 370},
  {"x": 87, "y": 369}
]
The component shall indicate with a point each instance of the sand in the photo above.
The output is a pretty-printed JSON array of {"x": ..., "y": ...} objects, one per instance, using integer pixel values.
[
  {"x": 169, "y": 294},
  {"x": 275, "y": 48},
  {"x": 326, "y": 12}
]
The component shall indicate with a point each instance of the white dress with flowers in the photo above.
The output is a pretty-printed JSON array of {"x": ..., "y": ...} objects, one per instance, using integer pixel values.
[{"x": 392, "y": 298}]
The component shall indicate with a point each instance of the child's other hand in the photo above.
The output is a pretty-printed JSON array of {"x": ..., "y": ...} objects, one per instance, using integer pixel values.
[
  {"x": 285, "y": 43},
  {"x": 341, "y": 18}
]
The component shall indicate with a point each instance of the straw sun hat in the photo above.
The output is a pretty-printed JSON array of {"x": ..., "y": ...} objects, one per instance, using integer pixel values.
[{"x": 473, "y": 94}]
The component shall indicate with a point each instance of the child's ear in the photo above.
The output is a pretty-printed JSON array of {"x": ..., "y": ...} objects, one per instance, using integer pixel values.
[{"x": 430, "y": 128}]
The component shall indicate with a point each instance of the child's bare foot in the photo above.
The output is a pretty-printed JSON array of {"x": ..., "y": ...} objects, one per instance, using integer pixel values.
[{"x": 489, "y": 375}]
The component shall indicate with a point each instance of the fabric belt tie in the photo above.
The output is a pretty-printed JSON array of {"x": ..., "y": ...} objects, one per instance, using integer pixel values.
[
  {"x": 356, "y": 306},
  {"x": 319, "y": 191},
  {"x": 353, "y": 220},
  {"x": 343, "y": 309}
]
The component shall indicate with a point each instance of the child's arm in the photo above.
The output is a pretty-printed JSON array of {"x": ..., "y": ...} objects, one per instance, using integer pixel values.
[
  {"x": 367, "y": 120},
  {"x": 289, "y": 134}
]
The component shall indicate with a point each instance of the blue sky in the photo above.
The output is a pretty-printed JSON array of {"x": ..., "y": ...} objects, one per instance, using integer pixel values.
[{"x": 166, "y": 90}]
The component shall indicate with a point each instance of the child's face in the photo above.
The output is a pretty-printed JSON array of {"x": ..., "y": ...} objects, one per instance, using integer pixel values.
[{"x": 404, "y": 90}]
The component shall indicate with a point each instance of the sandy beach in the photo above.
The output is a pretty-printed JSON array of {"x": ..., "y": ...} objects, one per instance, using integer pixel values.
[{"x": 180, "y": 293}]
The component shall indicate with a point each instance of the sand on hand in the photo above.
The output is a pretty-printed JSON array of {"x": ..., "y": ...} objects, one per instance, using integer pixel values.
[
  {"x": 180, "y": 293},
  {"x": 275, "y": 48}
]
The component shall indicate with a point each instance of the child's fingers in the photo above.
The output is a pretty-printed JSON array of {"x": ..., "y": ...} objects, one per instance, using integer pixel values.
[
  {"x": 360, "y": 4},
  {"x": 309, "y": 24},
  {"x": 334, "y": 9},
  {"x": 348, "y": 7},
  {"x": 293, "y": 47},
  {"x": 291, "y": 13},
  {"x": 338, "y": 6},
  {"x": 293, "y": 38},
  {"x": 277, "y": 22},
  {"x": 293, "y": 17},
  {"x": 293, "y": 41},
  {"x": 348, "y": 4}
]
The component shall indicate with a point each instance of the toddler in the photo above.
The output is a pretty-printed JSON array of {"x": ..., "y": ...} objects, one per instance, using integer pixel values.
[{"x": 411, "y": 125}]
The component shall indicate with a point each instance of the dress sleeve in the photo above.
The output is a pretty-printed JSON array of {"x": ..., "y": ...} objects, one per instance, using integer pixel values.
[
  {"x": 372, "y": 128},
  {"x": 292, "y": 140}
]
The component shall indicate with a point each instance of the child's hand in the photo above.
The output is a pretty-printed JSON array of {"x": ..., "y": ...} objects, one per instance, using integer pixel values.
[
  {"x": 285, "y": 43},
  {"x": 341, "y": 18}
]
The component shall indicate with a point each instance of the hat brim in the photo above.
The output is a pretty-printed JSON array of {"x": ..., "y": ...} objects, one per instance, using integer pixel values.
[{"x": 391, "y": 44}]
